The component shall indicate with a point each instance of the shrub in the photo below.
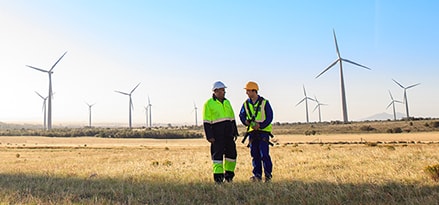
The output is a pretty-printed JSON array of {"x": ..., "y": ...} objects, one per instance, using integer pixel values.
[
  {"x": 434, "y": 124},
  {"x": 433, "y": 171},
  {"x": 367, "y": 128},
  {"x": 310, "y": 132},
  {"x": 397, "y": 130},
  {"x": 372, "y": 144}
]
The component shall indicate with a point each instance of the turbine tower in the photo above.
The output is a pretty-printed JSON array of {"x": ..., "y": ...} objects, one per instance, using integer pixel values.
[
  {"x": 130, "y": 106},
  {"x": 393, "y": 104},
  {"x": 44, "y": 108},
  {"x": 405, "y": 96},
  {"x": 146, "y": 115},
  {"x": 150, "y": 111},
  {"x": 89, "y": 114},
  {"x": 318, "y": 107},
  {"x": 306, "y": 98},
  {"x": 343, "y": 93},
  {"x": 49, "y": 106}
]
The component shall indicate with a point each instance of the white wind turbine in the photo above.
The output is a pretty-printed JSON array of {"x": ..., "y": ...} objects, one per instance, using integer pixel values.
[
  {"x": 343, "y": 93},
  {"x": 393, "y": 104},
  {"x": 405, "y": 96},
  {"x": 89, "y": 113},
  {"x": 196, "y": 118},
  {"x": 305, "y": 99},
  {"x": 44, "y": 108},
  {"x": 130, "y": 106},
  {"x": 49, "y": 106},
  {"x": 318, "y": 107}
]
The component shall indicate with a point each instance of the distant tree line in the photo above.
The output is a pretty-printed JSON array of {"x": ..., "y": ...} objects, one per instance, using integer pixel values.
[{"x": 105, "y": 133}]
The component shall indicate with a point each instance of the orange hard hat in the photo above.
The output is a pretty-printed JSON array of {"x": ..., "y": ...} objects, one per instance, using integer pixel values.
[{"x": 251, "y": 86}]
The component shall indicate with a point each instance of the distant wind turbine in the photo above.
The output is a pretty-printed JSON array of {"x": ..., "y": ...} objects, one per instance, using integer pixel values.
[
  {"x": 343, "y": 93},
  {"x": 318, "y": 107},
  {"x": 305, "y": 99},
  {"x": 393, "y": 104},
  {"x": 130, "y": 106},
  {"x": 49, "y": 106},
  {"x": 44, "y": 108},
  {"x": 89, "y": 114},
  {"x": 196, "y": 118},
  {"x": 405, "y": 96}
]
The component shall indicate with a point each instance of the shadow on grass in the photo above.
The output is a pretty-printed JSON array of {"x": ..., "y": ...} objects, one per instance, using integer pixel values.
[{"x": 38, "y": 189}]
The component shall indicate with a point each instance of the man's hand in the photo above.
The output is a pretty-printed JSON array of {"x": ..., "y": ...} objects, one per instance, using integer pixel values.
[
  {"x": 256, "y": 126},
  {"x": 211, "y": 140}
]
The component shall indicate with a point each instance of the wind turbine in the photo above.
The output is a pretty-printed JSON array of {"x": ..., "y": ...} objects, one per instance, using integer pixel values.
[
  {"x": 44, "y": 107},
  {"x": 318, "y": 107},
  {"x": 196, "y": 118},
  {"x": 393, "y": 104},
  {"x": 405, "y": 96},
  {"x": 150, "y": 111},
  {"x": 49, "y": 106},
  {"x": 306, "y": 98},
  {"x": 343, "y": 94},
  {"x": 89, "y": 114},
  {"x": 130, "y": 106}
]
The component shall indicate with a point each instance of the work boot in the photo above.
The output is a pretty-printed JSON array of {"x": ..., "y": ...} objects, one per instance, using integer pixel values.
[
  {"x": 219, "y": 178},
  {"x": 228, "y": 176},
  {"x": 255, "y": 179},
  {"x": 268, "y": 178}
]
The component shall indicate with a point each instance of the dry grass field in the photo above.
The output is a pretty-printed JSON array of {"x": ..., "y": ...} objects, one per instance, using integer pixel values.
[{"x": 87, "y": 170}]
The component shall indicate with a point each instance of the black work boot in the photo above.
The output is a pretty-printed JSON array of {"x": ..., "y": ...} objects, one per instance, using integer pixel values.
[
  {"x": 219, "y": 178},
  {"x": 268, "y": 178},
  {"x": 228, "y": 176}
]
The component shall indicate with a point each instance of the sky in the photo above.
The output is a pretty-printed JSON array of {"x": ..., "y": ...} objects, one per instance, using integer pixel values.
[{"x": 177, "y": 49}]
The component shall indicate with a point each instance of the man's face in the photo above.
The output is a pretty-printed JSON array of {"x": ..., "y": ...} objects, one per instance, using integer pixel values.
[
  {"x": 251, "y": 93},
  {"x": 220, "y": 93}
]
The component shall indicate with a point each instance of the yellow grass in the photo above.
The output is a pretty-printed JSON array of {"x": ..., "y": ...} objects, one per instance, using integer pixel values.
[{"x": 41, "y": 170}]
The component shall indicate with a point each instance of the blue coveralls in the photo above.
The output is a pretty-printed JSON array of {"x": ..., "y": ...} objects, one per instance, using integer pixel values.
[{"x": 259, "y": 147}]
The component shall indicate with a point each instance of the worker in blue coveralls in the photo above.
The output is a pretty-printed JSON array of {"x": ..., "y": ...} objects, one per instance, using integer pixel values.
[{"x": 257, "y": 114}]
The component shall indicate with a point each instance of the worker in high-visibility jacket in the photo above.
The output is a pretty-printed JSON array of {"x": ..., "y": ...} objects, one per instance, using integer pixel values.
[
  {"x": 257, "y": 114},
  {"x": 221, "y": 131}
]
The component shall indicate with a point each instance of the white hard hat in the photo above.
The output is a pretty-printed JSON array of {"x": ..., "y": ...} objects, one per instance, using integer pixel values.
[{"x": 217, "y": 85}]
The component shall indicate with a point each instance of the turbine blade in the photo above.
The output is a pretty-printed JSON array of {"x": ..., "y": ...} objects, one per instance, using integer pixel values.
[
  {"x": 412, "y": 86},
  {"x": 398, "y": 101},
  {"x": 398, "y": 84},
  {"x": 357, "y": 64},
  {"x": 389, "y": 104},
  {"x": 336, "y": 44},
  {"x": 330, "y": 66},
  {"x": 301, "y": 101},
  {"x": 310, "y": 99},
  {"x": 121, "y": 92},
  {"x": 304, "y": 91},
  {"x": 391, "y": 97},
  {"x": 37, "y": 69},
  {"x": 39, "y": 95},
  {"x": 134, "y": 88},
  {"x": 57, "y": 62},
  {"x": 131, "y": 103},
  {"x": 315, "y": 108}
]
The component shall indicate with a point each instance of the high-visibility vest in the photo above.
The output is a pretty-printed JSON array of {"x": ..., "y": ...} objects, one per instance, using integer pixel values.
[
  {"x": 250, "y": 109},
  {"x": 215, "y": 111}
]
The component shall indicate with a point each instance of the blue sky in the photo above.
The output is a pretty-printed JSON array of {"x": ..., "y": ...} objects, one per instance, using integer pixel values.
[{"x": 177, "y": 49}]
